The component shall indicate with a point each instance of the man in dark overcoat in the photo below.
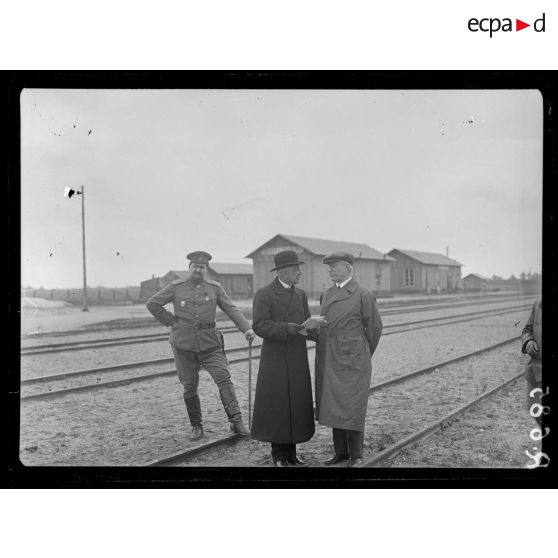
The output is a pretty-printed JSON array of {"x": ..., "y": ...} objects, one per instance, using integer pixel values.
[
  {"x": 283, "y": 410},
  {"x": 343, "y": 358},
  {"x": 531, "y": 344},
  {"x": 196, "y": 342}
]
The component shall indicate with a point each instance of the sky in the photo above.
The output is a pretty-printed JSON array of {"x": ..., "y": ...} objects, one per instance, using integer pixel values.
[{"x": 167, "y": 172}]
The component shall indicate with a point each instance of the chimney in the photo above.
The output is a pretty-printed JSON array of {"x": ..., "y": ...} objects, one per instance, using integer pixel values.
[{"x": 447, "y": 251}]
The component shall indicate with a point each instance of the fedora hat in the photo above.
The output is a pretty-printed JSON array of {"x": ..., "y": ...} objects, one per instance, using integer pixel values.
[{"x": 286, "y": 259}]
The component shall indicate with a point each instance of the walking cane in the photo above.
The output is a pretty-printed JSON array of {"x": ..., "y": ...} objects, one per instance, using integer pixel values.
[{"x": 250, "y": 383}]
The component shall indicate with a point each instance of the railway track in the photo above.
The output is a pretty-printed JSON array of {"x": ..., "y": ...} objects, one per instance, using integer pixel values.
[
  {"x": 385, "y": 306},
  {"x": 182, "y": 457},
  {"x": 157, "y": 337},
  {"x": 436, "y": 426},
  {"x": 393, "y": 329}
]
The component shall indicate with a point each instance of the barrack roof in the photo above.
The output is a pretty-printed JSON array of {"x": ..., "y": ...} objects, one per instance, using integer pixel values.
[
  {"x": 322, "y": 247},
  {"x": 429, "y": 258},
  {"x": 477, "y": 275}
]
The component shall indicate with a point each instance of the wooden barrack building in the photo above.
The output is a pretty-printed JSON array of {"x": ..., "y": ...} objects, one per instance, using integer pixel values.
[{"x": 372, "y": 268}]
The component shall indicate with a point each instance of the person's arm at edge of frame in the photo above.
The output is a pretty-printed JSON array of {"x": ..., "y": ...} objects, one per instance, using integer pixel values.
[{"x": 527, "y": 333}]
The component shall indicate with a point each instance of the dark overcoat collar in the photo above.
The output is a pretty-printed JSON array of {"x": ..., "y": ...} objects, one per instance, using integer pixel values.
[{"x": 293, "y": 300}]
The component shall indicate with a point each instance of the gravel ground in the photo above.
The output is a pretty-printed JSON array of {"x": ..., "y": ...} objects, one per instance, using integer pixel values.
[
  {"x": 495, "y": 434},
  {"x": 135, "y": 424},
  {"x": 44, "y": 364},
  {"x": 395, "y": 412}
]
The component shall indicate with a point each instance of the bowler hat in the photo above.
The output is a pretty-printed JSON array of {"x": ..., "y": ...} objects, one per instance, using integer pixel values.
[
  {"x": 285, "y": 259},
  {"x": 199, "y": 257},
  {"x": 339, "y": 256}
]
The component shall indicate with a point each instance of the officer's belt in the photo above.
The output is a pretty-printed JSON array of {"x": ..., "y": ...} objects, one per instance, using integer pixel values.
[
  {"x": 333, "y": 332},
  {"x": 198, "y": 325}
]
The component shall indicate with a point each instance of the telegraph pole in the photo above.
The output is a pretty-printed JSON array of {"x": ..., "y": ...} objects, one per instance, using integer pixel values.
[{"x": 85, "y": 307}]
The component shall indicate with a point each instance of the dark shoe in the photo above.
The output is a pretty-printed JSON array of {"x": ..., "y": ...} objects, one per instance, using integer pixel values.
[
  {"x": 296, "y": 462},
  {"x": 281, "y": 462},
  {"x": 239, "y": 427},
  {"x": 337, "y": 458},
  {"x": 197, "y": 432},
  {"x": 355, "y": 461}
]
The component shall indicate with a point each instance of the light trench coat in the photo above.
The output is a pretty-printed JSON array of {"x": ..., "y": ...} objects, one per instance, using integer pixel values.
[{"x": 344, "y": 350}]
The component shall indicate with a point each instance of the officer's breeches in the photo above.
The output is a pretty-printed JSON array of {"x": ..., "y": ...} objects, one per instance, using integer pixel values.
[{"x": 188, "y": 365}]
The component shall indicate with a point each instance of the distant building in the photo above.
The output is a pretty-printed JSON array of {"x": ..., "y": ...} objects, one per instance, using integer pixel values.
[
  {"x": 236, "y": 279},
  {"x": 424, "y": 272},
  {"x": 475, "y": 282},
  {"x": 372, "y": 268},
  {"x": 149, "y": 287}
]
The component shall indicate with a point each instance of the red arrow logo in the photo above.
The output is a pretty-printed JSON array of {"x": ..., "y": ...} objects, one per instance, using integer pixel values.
[{"x": 519, "y": 25}]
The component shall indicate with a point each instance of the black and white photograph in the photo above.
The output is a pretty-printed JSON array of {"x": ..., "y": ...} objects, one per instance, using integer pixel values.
[{"x": 332, "y": 279}]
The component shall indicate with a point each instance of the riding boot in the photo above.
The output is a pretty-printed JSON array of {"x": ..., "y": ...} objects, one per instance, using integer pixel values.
[
  {"x": 193, "y": 406},
  {"x": 230, "y": 404}
]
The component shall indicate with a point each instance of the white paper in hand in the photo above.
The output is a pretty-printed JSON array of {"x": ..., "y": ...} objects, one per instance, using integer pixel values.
[{"x": 314, "y": 322}]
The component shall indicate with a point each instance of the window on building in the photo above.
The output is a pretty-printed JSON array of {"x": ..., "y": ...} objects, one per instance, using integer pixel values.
[{"x": 409, "y": 279}]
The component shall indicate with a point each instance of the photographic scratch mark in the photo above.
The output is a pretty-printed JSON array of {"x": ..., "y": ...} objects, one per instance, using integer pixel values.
[
  {"x": 89, "y": 133},
  {"x": 237, "y": 207},
  {"x": 50, "y": 255},
  {"x": 58, "y": 127}
]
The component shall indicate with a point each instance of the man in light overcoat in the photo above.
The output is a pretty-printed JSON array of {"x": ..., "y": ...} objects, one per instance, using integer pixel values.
[
  {"x": 283, "y": 410},
  {"x": 343, "y": 358}
]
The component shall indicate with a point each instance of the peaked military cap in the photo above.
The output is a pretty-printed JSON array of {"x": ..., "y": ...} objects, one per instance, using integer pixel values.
[
  {"x": 286, "y": 259},
  {"x": 199, "y": 257},
  {"x": 338, "y": 257}
]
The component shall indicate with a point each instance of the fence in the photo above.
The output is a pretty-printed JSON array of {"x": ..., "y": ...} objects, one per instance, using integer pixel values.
[{"x": 95, "y": 295}]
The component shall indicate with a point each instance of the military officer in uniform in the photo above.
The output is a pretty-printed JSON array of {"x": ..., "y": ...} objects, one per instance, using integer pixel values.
[{"x": 195, "y": 341}]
